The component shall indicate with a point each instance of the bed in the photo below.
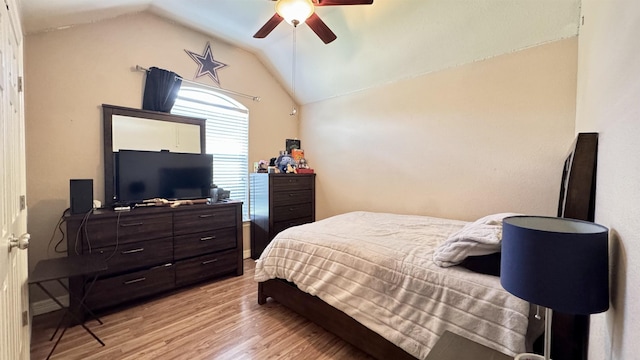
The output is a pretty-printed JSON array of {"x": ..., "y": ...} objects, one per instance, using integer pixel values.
[{"x": 391, "y": 300}]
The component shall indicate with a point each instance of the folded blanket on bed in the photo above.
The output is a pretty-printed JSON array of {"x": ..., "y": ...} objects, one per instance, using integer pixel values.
[{"x": 481, "y": 237}]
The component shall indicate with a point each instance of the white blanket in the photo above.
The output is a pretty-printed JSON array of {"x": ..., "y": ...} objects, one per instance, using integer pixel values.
[
  {"x": 481, "y": 237},
  {"x": 378, "y": 269}
]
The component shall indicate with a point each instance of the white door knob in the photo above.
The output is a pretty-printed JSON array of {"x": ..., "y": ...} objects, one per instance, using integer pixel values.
[{"x": 21, "y": 242}]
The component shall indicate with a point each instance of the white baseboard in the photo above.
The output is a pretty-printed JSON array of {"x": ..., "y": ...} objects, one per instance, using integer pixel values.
[
  {"x": 246, "y": 254},
  {"x": 48, "y": 305}
]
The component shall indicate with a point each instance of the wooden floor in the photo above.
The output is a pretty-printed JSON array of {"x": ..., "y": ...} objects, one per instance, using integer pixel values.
[{"x": 218, "y": 320}]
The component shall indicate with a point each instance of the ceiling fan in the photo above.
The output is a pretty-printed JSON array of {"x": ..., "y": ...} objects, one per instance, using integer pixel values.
[{"x": 296, "y": 12}]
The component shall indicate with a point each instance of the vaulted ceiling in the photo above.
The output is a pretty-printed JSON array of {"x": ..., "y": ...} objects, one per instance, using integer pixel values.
[{"x": 381, "y": 43}]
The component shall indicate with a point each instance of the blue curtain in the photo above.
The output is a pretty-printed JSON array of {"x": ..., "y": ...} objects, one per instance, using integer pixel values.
[{"x": 160, "y": 90}]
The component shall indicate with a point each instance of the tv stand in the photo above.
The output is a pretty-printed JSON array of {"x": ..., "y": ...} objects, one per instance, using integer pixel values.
[{"x": 151, "y": 250}]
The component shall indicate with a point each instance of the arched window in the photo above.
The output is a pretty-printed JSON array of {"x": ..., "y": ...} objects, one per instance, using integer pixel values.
[{"x": 227, "y": 137}]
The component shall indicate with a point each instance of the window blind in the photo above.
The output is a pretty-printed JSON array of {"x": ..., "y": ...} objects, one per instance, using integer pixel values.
[{"x": 227, "y": 138}]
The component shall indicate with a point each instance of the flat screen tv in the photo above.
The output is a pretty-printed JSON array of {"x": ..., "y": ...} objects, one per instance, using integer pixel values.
[{"x": 142, "y": 175}]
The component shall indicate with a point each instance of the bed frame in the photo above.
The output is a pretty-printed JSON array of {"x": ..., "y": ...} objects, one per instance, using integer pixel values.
[{"x": 570, "y": 333}]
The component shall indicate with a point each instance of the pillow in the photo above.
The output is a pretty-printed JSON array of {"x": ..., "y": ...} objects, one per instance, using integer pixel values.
[
  {"x": 483, "y": 264},
  {"x": 481, "y": 237}
]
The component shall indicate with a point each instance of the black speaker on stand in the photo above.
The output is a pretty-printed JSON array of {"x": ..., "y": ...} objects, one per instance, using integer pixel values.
[{"x": 80, "y": 195}]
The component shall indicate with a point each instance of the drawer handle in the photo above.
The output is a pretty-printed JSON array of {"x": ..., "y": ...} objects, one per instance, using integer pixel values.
[
  {"x": 135, "y": 280},
  {"x": 207, "y": 238},
  {"x": 205, "y": 216},
  {"x": 209, "y": 261},
  {"x": 292, "y": 195},
  {"x": 162, "y": 266},
  {"x": 132, "y": 224},
  {"x": 132, "y": 251}
]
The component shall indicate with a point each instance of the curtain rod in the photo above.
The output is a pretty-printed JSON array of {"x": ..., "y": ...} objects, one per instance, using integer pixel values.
[{"x": 254, "y": 98}]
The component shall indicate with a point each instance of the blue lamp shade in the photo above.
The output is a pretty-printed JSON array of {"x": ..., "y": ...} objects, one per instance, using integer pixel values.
[{"x": 561, "y": 264}]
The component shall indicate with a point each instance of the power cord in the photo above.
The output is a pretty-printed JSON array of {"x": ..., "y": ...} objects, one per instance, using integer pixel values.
[
  {"x": 83, "y": 229},
  {"x": 58, "y": 227},
  {"x": 82, "y": 225},
  {"x": 115, "y": 250}
]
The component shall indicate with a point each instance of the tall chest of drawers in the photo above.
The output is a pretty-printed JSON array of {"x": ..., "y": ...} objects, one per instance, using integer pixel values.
[
  {"x": 152, "y": 250},
  {"x": 279, "y": 201}
]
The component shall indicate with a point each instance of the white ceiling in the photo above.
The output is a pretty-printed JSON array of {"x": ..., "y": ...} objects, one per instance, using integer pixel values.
[{"x": 377, "y": 44}]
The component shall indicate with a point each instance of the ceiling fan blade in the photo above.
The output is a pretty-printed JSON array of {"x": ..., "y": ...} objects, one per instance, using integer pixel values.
[
  {"x": 269, "y": 26},
  {"x": 341, "y": 2},
  {"x": 320, "y": 28}
]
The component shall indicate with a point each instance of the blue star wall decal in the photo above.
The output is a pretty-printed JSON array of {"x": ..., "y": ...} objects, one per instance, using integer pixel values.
[{"x": 206, "y": 64}]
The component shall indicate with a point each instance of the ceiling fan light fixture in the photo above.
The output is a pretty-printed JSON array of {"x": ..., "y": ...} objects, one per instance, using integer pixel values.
[{"x": 294, "y": 11}]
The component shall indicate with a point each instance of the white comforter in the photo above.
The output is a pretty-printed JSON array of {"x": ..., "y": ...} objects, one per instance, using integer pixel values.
[{"x": 378, "y": 269}]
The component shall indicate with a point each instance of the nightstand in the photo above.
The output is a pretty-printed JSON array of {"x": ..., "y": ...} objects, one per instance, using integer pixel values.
[{"x": 455, "y": 347}]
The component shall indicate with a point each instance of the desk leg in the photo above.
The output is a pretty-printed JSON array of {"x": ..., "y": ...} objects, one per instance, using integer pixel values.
[
  {"x": 84, "y": 297},
  {"x": 67, "y": 311},
  {"x": 57, "y": 341},
  {"x": 61, "y": 307}
]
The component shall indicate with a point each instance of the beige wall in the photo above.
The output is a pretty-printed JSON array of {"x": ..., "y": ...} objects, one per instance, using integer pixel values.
[
  {"x": 485, "y": 137},
  {"x": 70, "y": 73},
  {"x": 609, "y": 102},
  {"x": 452, "y": 143}
]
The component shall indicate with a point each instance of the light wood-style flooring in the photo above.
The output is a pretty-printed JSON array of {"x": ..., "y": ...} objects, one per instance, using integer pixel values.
[{"x": 215, "y": 320}]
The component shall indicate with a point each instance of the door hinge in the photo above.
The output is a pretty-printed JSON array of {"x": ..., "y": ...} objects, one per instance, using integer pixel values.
[
  {"x": 25, "y": 318},
  {"x": 23, "y": 202},
  {"x": 19, "y": 83}
]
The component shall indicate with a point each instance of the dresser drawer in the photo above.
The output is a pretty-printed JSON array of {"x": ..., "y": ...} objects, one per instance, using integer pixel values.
[
  {"x": 204, "y": 219},
  {"x": 281, "y": 198},
  {"x": 288, "y": 212},
  {"x": 137, "y": 255},
  {"x": 103, "y": 232},
  {"x": 206, "y": 266},
  {"x": 281, "y": 225},
  {"x": 118, "y": 289},
  {"x": 204, "y": 242},
  {"x": 292, "y": 182}
]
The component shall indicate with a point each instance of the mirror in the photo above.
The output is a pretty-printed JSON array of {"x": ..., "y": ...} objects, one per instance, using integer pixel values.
[
  {"x": 132, "y": 133},
  {"x": 135, "y": 129}
]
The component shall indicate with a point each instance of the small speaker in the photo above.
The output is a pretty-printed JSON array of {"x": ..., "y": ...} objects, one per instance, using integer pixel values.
[{"x": 80, "y": 195}]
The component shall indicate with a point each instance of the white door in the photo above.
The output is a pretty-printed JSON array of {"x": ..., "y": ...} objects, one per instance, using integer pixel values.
[{"x": 14, "y": 300}]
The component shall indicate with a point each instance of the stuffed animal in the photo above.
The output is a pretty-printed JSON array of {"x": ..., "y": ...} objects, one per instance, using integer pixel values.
[
  {"x": 262, "y": 166},
  {"x": 284, "y": 161}
]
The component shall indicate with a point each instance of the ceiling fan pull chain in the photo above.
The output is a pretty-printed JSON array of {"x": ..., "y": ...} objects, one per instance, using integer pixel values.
[{"x": 294, "y": 111}]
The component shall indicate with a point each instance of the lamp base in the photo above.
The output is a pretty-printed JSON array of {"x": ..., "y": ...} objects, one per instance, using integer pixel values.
[{"x": 528, "y": 356}]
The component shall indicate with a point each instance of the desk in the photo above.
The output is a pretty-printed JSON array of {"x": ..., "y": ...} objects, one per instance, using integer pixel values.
[
  {"x": 62, "y": 268},
  {"x": 451, "y": 346}
]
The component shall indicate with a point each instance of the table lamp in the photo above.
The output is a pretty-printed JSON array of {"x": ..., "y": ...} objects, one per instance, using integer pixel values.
[{"x": 560, "y": 264}]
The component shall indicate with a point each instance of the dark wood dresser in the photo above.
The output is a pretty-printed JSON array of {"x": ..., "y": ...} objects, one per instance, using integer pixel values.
[
  {"x": 152, "y": 250},
  {"x": 279, "y": 201}
]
